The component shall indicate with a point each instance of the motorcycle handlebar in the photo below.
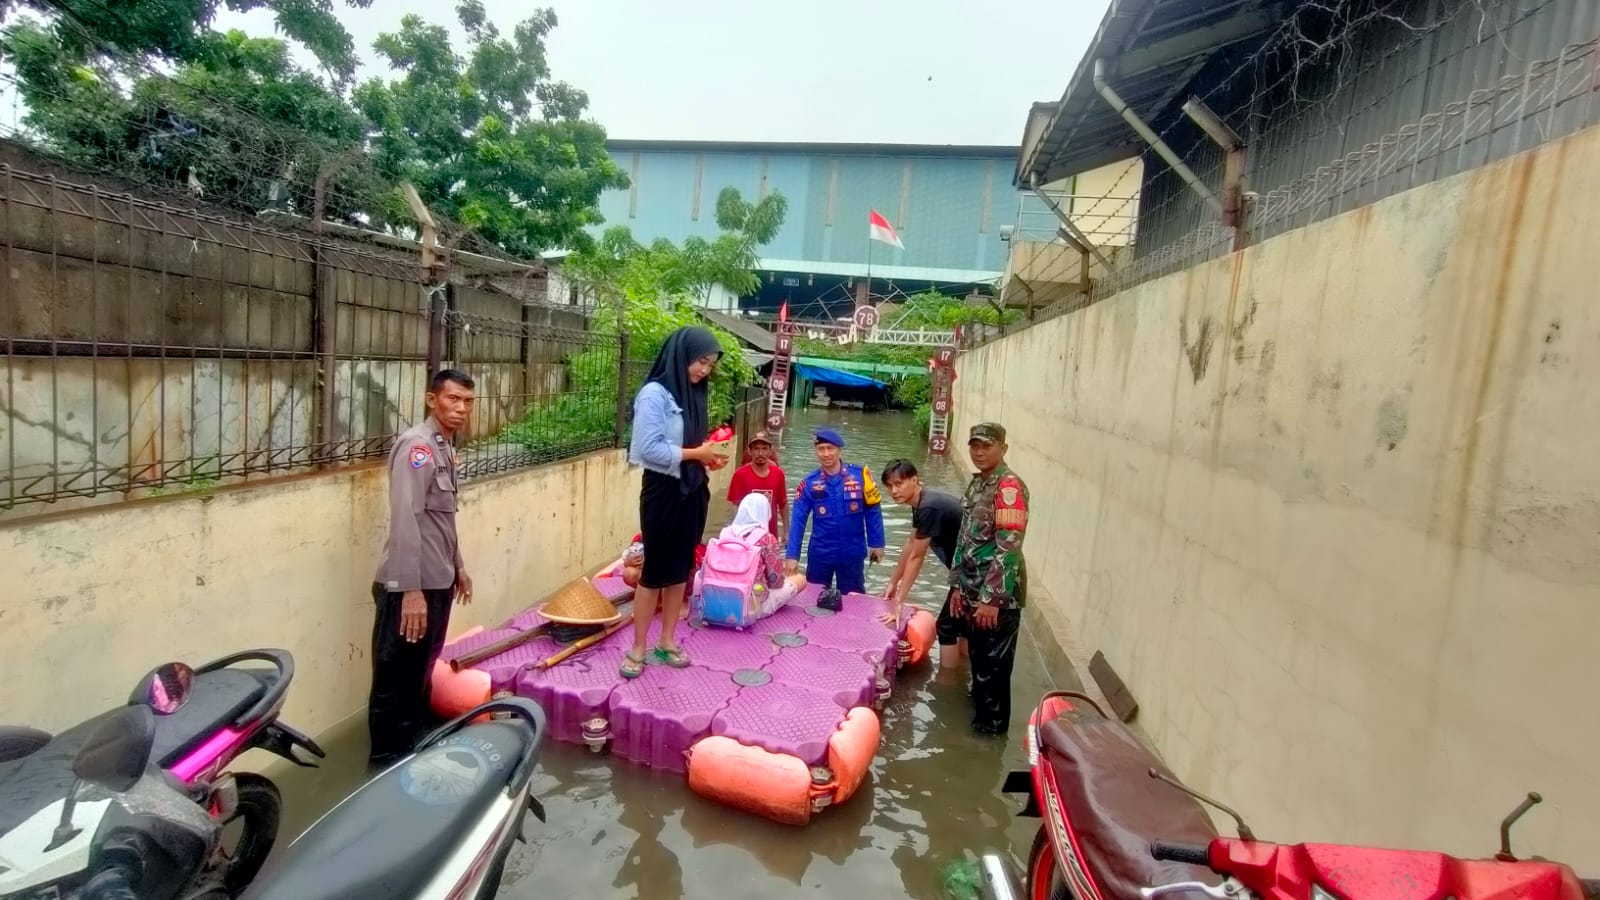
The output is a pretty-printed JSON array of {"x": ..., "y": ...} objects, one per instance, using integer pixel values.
[{"x": 1193, "y": 854}]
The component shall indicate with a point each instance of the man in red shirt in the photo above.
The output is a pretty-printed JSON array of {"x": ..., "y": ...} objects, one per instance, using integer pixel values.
[{"x": 762, "y": 476}]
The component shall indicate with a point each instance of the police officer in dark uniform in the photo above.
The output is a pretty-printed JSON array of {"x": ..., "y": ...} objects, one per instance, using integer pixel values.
[
  {"x": 988, "y": 577},
  {"x": 421, "y": 569},
  {"x": 846, "y": 514}
]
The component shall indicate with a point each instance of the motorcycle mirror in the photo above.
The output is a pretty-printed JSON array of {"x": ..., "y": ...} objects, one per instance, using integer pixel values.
[
  {"x": 116, "y": 755},
  {"x": 1245, "y": 834},
  {"x": 167, "y": 688}
]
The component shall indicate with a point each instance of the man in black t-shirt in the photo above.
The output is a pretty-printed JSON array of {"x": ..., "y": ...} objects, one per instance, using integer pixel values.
[{"x": 936, "y": 523}]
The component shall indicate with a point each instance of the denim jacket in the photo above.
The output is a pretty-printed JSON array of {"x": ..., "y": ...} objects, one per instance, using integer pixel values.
[{"x": 657, "y": 431}]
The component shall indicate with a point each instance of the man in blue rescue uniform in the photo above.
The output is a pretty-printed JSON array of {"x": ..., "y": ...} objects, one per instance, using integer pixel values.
[{"x": 848, "y": 520}]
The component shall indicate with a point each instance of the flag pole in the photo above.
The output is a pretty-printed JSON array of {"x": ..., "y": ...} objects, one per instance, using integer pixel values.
[{"x": 870, "y": 242}]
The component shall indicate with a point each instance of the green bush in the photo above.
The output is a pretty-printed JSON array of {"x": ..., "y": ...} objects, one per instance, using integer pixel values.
[
  {"x": 910, "y": 391},
  {"x": 584, "y": 417}
]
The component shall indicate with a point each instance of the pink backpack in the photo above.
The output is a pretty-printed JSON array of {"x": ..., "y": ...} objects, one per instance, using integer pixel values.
[{"x": 727, "y": 580}]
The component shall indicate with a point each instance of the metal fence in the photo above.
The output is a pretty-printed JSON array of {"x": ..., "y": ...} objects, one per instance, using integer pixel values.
[
  {"x": 544, "y": 391},
  {"x": 1553, "y": 98},
  {"x": 1538, "y": 103},
  {"x": 150, "y": 348}
]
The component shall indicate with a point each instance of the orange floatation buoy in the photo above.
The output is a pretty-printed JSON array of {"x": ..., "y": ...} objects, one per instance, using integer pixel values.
[
  {"x": 781, "y": 787},
  {"x": 920, "y": 631},
  {"x": 454, "y": 693}
]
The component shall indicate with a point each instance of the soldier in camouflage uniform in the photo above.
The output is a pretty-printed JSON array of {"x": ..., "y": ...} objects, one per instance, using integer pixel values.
[{"x": 988, "y": 577}]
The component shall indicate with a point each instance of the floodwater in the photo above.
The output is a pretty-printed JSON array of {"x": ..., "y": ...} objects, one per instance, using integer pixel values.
[{"x": 931, "y": 805}]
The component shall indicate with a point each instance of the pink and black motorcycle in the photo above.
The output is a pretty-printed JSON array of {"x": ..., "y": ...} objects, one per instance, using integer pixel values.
[{"x": 204, "y": 719}]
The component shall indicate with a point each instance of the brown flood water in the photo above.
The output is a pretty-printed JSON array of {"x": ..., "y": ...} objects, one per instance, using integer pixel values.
[{"x": 932, "y": 803}]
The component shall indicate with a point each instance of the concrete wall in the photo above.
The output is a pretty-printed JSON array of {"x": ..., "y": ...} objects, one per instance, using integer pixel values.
[
  {"x": 94, "y": 599},
  {"x": 1330, "y": 507}
]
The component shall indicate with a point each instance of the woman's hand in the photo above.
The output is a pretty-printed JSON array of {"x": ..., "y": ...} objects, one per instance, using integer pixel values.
[{"x": 706, "y": 455}]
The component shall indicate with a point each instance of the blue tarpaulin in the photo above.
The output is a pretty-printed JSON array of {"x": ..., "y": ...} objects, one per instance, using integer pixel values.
[{"x": 837, "y": 378}]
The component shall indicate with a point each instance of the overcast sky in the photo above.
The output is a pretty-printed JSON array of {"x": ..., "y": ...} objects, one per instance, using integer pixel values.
[{"x": 898, "y": 71}]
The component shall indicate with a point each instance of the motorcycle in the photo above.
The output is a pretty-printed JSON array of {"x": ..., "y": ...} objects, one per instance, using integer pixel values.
[
  {"x": 1117, "y": 824},
  {"x": 201, "y": 721},
  {"x": 438, "y": 825}
]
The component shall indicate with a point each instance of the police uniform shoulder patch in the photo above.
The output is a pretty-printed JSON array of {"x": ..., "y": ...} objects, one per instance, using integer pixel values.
[
  {"x": 871, "y": 495},
  {"x": 420, "y": 456}
]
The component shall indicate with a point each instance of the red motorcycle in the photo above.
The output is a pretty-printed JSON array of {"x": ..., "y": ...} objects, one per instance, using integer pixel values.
[{"x": 1117, "y": 825}]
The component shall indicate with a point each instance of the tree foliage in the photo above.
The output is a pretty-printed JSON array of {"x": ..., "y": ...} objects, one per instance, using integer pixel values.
[
  {"x": 664, "y": 269},
  {"x": 489, "y": 139},
  {"x": 186, "y": 131},
  {"x": 654, "y": 288},
  {"x": 150, "y": 92},
  {"x": 104, "y": 33}
]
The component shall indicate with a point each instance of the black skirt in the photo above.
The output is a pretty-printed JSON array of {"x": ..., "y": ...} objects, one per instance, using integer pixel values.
[{"x": 671, "y": 524}]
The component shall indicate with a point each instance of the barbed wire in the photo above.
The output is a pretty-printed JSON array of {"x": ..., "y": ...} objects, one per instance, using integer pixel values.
[{"x": 1341, "y": 70}]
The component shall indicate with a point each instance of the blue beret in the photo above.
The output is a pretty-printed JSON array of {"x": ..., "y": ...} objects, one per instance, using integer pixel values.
[{"x": 828, "y": 436}]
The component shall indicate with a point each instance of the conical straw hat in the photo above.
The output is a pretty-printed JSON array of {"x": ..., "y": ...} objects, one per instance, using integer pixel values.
[{"x": 579, "y": 603}]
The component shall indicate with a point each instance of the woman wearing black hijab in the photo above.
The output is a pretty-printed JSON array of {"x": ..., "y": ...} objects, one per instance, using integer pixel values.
[{"x": 669, "y": 433}]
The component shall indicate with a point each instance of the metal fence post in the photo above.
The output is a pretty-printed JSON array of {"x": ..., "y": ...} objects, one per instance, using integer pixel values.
[
  {"x": 622, "y": 384},
  {"x": 433, "y": 295}
]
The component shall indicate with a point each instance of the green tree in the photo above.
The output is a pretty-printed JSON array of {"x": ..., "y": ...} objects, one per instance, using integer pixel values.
[
  {"x": 489, "y": 139},
  {"x": 664, "y": 269},
  {"x": 149, "y": 91},
  {"x": 649, "y": 291},
  {"x": 107, "y": 34}
]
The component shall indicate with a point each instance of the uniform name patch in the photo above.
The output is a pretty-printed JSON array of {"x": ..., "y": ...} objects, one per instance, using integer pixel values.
[{"x": 420, "y": 456}]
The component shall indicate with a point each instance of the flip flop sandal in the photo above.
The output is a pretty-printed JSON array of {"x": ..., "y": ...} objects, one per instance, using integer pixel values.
[
  {"x": 674, "y": 658},
  {"x": 632, "y": 666}
]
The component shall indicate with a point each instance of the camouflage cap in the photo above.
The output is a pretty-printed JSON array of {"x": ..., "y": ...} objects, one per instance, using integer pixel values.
[{"x": 987, "y": 432}]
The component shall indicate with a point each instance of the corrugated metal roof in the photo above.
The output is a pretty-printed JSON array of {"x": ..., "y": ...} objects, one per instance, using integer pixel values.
[
  {"x": 1152, "y": 50},
  {"x": 757, "y": 337}
]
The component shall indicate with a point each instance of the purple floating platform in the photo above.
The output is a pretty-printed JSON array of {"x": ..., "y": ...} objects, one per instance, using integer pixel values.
[
  {"x": 785, "y": 684},
  {"x": 782, "y": 718},
  {"x": 660, "y": 714},
  {"x": 573, "y": 691},
  {"x": 612, "y": 587},
  {"x": 845, "y": 677}
]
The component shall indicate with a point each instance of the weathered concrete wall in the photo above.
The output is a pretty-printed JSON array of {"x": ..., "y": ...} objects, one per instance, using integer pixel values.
[
  {"x": 94, "y": 599},
  {"x": 1330, "y": 507}
]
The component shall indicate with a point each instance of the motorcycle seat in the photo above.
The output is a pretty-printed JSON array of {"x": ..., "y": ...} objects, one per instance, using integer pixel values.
[
  {"x": 1115, "y": 808},
  {"x": 391, "y": 838},
  {"x": 216, "y": 700}
]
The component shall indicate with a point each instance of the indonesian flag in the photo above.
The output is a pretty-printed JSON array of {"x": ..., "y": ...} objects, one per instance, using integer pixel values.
[
  {"x": 879, "y": 229},
  {"x": 783, "y": 312}
]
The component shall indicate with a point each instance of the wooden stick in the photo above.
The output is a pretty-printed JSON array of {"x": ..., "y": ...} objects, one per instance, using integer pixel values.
[
  {"x": 473, "y": 657},
  {"x": 584, "y": 644}
]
